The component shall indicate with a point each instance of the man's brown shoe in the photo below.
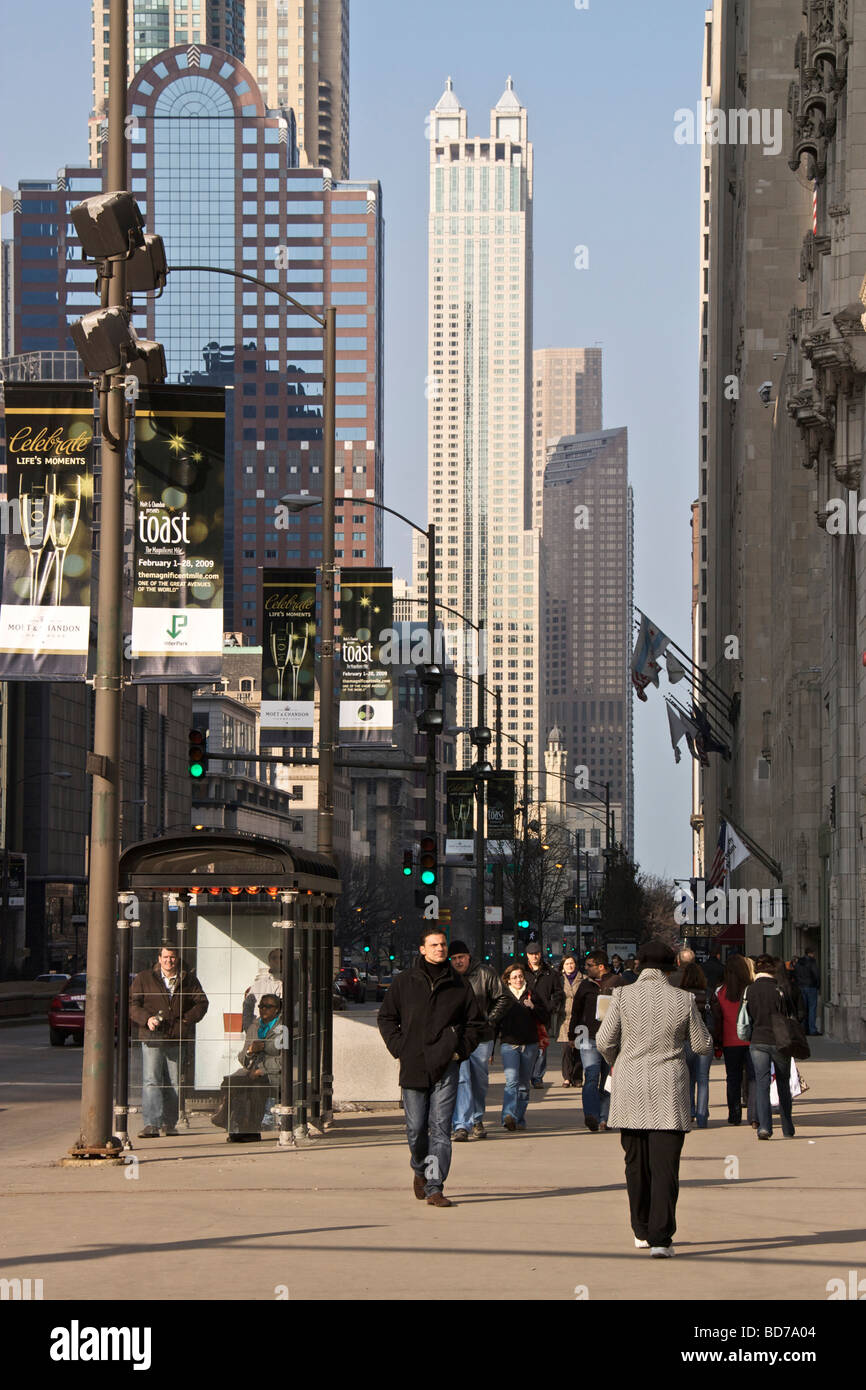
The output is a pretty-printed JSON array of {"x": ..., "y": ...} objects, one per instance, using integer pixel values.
[
  {"x": 419, "y": 1185},
  {"x": 438, "y": 1199}
]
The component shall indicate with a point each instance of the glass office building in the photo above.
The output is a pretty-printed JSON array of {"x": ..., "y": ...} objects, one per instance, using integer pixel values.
[{"x": 216, "y": 174}]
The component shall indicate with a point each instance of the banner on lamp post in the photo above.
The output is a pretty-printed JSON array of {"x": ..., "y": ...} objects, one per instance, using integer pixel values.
[
  {"x": 48, "y": 526},
  {"x": 177, "y": 612},
  {"x": 288, "y": 639},
  {"x": 500, "y": 813},
  {"x": 460, "y": 824},
  {"x": 366, "y": 623}
]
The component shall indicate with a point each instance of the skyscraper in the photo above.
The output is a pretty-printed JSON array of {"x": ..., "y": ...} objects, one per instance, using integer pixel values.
[
  {"x": 588, "y": 577},
  {"x": 479, "y": 393},
  {"x": 566, "y": 399},
  {"x": 155, "y": 25},
  {"x": 298, "y": 52}
]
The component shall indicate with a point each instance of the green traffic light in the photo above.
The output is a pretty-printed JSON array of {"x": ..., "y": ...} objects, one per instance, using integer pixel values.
[
  {"x": 428, "y": 877},
  {"x": 407, "y": 870},
  {"x": 196, "y": 770}
]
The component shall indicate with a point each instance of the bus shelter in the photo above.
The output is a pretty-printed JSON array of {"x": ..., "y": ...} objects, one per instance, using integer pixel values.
[{"x": 245, "y": 914}]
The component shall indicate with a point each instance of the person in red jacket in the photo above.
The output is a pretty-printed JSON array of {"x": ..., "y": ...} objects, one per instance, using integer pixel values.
[{"x": 725, "y": 1006}]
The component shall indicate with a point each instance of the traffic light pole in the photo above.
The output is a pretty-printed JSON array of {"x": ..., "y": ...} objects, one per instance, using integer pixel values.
[
  {"x": 104, "y": 762},
  {"x": 480, "y": 839},
  {"x": 430, "y": 695}
]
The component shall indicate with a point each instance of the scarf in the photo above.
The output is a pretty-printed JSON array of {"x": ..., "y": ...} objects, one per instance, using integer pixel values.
[
  {"x": 518, "y": 994},
  {"x": 266, "y": 1028}
]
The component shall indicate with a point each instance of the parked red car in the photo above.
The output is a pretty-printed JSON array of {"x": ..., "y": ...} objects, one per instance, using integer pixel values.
[
  {"x": 351, "y": 985},
  {"x": 66, "y": 1012}
]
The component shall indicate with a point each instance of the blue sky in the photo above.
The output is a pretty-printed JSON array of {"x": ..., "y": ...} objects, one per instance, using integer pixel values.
[{"x": 601, "y": 86}]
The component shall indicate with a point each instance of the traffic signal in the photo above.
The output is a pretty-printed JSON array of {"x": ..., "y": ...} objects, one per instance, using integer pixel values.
[
  {"x": 195, "y": 758},
  {"x": 408, "y": 863},
  {"x": 366, "y": 945},
  {"x": 391, "y": 956},
  {"x": 427, "y": 861},
  {"x": 523, "y": 924}
]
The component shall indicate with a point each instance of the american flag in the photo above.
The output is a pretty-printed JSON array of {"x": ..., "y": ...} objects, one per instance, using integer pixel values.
[
  {"x": 717, "y": 869},
  {"x": 815, "y": 208}
]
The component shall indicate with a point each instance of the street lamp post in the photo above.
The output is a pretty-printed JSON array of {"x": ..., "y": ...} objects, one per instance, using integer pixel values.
[{"x": 97, "y": 1100}]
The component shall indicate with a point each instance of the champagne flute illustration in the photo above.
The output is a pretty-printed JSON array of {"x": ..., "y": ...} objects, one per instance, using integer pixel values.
[
  {"x": 61, "y": 529},
  {"x": 36, "y": 497},
  {"x": 298, "y": 642},
  {"x": 463, "y": 814},
  {"x": 280, "y": 655}
]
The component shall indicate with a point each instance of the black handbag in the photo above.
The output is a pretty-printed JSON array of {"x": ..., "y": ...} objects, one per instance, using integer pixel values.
[{"x": 788, "y": 1035}]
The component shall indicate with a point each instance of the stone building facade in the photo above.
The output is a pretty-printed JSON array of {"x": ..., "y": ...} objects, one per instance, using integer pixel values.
[
  {"x": 781, "y": 472},
  {"x": 819, "y": 442}
]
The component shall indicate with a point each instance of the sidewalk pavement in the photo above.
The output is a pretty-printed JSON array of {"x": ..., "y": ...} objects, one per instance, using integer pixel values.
[{"x": 537, "y": 1215}]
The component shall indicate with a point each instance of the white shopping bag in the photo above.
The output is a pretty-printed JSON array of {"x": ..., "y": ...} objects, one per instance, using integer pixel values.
[{"x": 796, "y": 1088}]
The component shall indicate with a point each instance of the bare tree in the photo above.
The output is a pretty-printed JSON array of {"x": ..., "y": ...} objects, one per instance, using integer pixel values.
[{"x": 536, "y": 875}]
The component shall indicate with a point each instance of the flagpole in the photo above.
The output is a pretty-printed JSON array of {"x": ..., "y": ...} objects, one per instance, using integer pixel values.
[
  {"x": 754, "y": 848},
  {"x": 691, "y": 718},
  {"x": 699, "y": 674}
]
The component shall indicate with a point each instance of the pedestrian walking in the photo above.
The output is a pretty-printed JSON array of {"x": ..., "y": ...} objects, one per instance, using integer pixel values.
[
  {"x": 546, "y": 989},
  {"x": 572, "y": 1066},
  {"x": 765, "y": 997},
  {"x": 518, "y": 1044},
  {"x": 643, "y": 1038},
  {"x": 474, "y": 1075},
  {"x": 694, "y": 980},
  {"x": 166, "y": 1001},
  {"x": 808, "y": 980},
  {"x": 725, "y": 1007},
  {"x": 714, "y": 971},
  {"x": 585, "y": 1018},
  {"x": 430, "y": 1020}
]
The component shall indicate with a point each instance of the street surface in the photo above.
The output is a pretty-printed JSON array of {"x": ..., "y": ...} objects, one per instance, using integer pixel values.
[{"x": 537, "y": 1215}]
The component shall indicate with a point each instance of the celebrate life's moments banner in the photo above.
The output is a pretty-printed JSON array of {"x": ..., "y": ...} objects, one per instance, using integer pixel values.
[{"x": 48, "y": 526}]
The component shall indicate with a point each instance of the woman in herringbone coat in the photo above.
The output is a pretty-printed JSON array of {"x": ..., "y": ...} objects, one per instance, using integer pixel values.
[{"x": 643, "y": 1037}]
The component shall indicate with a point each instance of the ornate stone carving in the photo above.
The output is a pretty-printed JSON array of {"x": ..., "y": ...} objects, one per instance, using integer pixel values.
[{"x": 821, "y": 63}]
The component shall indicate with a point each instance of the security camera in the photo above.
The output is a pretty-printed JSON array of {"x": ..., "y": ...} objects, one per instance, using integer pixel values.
[{"x": 765, "y": 391}]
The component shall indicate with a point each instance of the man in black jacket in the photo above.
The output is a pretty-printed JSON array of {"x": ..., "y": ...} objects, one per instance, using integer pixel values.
[
  {"x": 545, "y": 986},
  {"x": 475, "y": 1071},
  {"x": 430, "y": 1019},
  {"x": 585, "y": 1020}
]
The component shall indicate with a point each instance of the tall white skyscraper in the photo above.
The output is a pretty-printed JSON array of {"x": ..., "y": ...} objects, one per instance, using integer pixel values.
[{"x": 479, "y": 406}]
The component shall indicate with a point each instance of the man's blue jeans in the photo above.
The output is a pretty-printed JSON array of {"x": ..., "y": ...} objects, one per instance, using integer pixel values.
[
  {"x": 160, "y": 1064},
  {"x": 596, "y": 1101},
  {"x": 518, "y": 1067},
  {"x": 762, "y": 1056},
  {"x": 810, "y": 994},
  {"x": 472, "y": 1086},
  {"x": 428, "y": 1128},
  {"x": 699, "y": 1085}
]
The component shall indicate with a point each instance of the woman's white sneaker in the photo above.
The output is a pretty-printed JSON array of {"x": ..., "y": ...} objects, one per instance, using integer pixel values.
[
  {"x": 662, "y": 1252},
  {"x": 641, "y": 1244}
]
